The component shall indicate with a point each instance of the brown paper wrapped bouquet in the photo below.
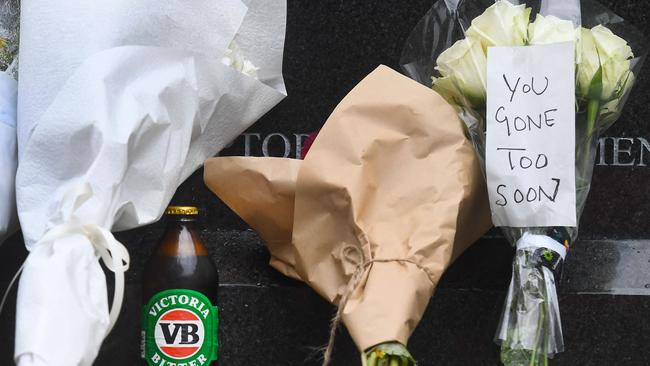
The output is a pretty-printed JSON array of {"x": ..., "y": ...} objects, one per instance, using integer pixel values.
[{"x": 388, "y": 196}]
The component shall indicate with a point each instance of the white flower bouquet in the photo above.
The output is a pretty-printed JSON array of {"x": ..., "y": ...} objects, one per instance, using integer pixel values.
[
  {"x": 465, "y": 50},
  {"x": 119, "y": 102}
]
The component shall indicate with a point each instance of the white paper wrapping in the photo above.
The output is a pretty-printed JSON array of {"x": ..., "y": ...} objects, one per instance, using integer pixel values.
[
  {"x": 8, "y": 162},
  {"x": 119, "y": 102}
]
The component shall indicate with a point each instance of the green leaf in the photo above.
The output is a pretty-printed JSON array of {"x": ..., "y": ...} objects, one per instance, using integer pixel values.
[
  {"x": 596, "y": 86},
  {"x": 387, "y": 352}
]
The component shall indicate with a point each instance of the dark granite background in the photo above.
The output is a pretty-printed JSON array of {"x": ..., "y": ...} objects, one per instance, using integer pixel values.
[{"x": 270, "y": 320}]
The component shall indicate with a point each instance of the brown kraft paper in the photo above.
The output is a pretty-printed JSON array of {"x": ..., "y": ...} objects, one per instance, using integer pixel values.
[{"x": 391, "y": 190}]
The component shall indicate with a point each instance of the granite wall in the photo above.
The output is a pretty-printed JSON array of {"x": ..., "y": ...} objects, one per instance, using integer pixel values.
[{"x": 269, "y": 320}]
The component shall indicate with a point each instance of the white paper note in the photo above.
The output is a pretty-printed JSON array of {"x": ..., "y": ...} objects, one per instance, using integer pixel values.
[{"x": 530, "y": 153}]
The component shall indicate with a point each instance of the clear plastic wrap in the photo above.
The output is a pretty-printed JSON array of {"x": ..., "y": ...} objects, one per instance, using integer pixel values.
[{"x": 609, "y": 56}]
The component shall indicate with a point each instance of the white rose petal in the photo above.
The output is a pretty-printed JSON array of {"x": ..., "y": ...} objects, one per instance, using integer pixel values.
[
  {"x": 502, "y": 24},
  {"x": 610, "y": 110},
  {"x": 551, "y": 29},
  {"x": 590, "y": 62},
  {"x": 601, "y": 47},
  {"x": 446, "y": 87},
  {"x": 611, "y": 45},
  {"x": 464, "y": 65},
  {"x": 249, "y": 69},
  {"x": 234, "y": 58}
]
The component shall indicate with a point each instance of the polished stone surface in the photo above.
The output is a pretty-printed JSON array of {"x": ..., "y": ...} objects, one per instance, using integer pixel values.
[
  {"x": 270, "y": 320},
  {"x": 332, "y": 45}
]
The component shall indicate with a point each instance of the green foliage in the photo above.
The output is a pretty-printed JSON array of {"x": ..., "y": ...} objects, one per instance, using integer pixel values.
[{"x": 388, "y": 354}]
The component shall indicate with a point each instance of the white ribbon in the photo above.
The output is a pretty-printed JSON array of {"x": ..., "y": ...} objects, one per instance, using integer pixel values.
[
  {"x": 62, "y": 293},
  {"x": 113, "y": 253},
  {"x": 541, "y": 241}
]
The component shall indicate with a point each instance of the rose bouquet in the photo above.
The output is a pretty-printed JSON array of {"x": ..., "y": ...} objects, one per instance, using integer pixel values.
[
  {"x": 575, "y": 60},
  {"x": 9, "y": 29}
]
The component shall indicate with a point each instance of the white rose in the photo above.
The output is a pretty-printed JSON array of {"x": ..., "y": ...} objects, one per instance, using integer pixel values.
[
  {"x": 601, "y": 47},
  {"x": 551, "y": 29},
  {"x": 463, "y": 67},
  {"x": 446, "y": 87},
  {"x": 502, "y": 24},
  {"x": 609, "y": 111},
  {"x": 234, "y": 58}
]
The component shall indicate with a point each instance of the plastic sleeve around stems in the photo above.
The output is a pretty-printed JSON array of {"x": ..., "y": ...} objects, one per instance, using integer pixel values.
[{"x": 530, "y": 327}]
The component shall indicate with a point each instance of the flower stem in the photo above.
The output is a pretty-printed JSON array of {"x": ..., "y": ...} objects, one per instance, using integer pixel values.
[
  {"x": 593, "y": 108},
  {"x": 372, "y": 359}
]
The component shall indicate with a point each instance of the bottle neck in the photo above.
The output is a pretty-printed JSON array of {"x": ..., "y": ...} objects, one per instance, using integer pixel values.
[
  {"x": 181, "y": 239},
  {"x": 176, "y": 223}
]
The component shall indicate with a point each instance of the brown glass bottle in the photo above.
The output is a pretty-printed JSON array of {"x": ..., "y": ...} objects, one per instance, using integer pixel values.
[{"x": 180, "y": 290}]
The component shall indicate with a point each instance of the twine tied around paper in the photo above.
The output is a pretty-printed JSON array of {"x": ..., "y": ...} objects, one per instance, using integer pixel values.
[{"x": 353, "y": 254}]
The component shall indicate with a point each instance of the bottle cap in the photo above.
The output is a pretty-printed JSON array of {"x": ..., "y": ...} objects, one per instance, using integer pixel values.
[{"x": 182, "y": 210}]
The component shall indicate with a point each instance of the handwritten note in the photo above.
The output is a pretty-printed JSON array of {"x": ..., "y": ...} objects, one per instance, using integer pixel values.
[{"x": 530, "y": 153}]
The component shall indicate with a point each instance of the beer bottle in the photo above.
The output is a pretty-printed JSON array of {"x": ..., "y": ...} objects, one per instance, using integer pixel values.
[{"x": 180, "y": 318}]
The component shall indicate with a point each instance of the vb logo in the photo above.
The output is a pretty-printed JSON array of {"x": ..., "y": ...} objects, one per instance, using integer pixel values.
[{"x": 179, "y": 334}]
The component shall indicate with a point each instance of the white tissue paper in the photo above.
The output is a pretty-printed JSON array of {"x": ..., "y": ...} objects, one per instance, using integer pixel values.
[
  {"x": 119, "y": 102},
  {"x": 8, "y": 162}
]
